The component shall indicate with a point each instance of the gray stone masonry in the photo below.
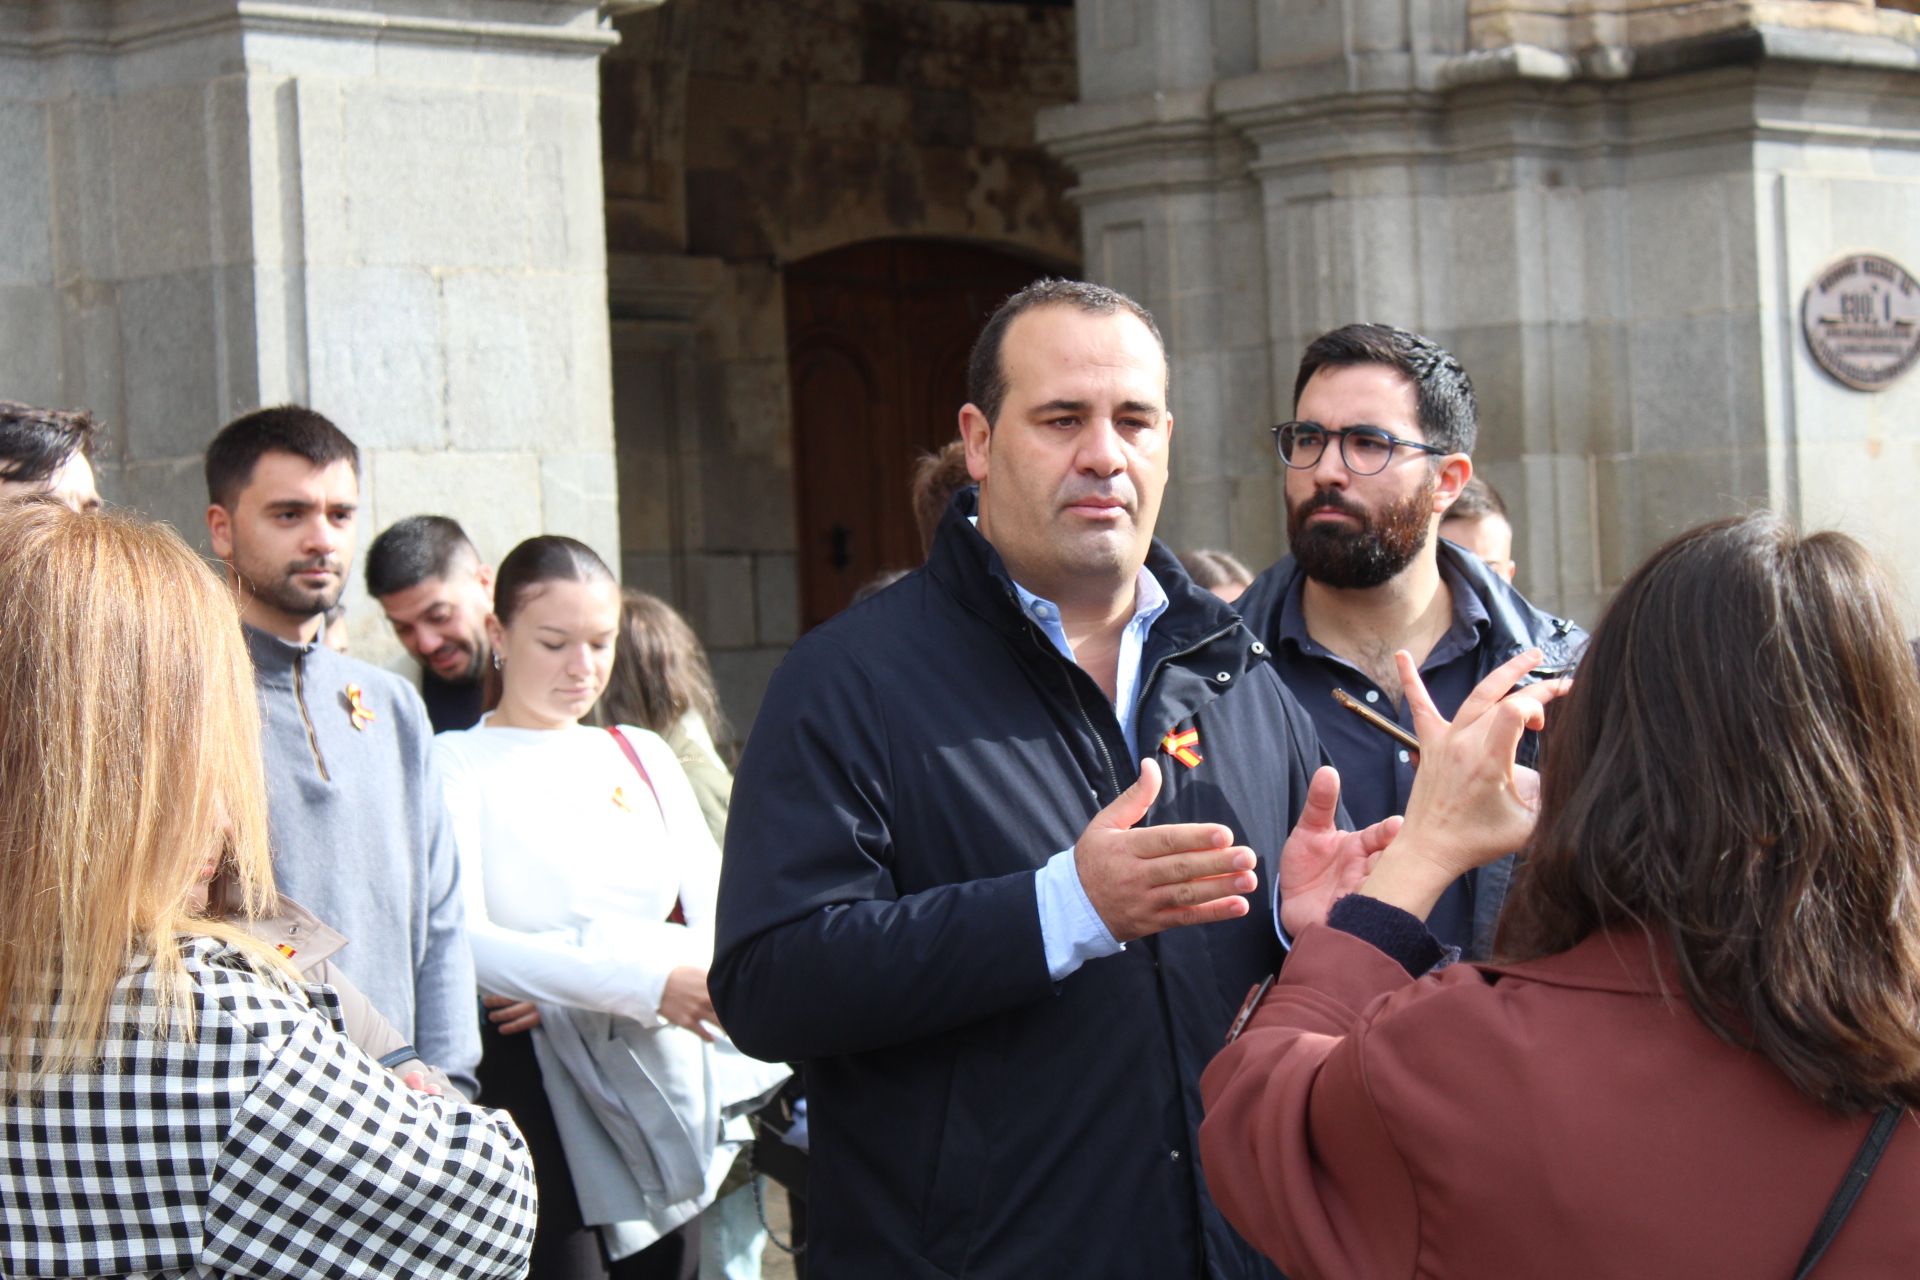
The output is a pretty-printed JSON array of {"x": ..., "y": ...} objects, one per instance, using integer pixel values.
[
  {"x": 392, "y": 212},
  {"x": 1612, "y": 225}
]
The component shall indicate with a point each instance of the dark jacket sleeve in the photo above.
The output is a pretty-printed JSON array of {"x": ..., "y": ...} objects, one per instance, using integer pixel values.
[{"x": 818, "y": 953}]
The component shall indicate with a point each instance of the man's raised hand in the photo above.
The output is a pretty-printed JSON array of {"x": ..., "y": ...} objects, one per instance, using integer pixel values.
[
  {"x": 1321, "y": 863},
  {"x": 1142, "y": 880}
]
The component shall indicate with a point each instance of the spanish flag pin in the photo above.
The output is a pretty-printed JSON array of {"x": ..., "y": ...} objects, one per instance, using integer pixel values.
[
  {"x": 357, "y": 709},
  {"x": 1180, "y": 745}
]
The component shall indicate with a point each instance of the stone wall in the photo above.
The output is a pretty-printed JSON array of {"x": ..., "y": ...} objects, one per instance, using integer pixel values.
[
  {"x": 1615, "y": 246},
  {"x": 392, "y": 213},
  {"x": 741, "y": 135}
]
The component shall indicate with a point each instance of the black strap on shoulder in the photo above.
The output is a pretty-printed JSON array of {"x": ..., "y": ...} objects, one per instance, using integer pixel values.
[{"x": 1851, "y": 1186}]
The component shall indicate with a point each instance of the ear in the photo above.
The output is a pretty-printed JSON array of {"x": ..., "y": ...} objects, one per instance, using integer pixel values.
[
  {"x": 1455, "y": 470},
  {"x": 220, "y": 531},
  {"x": 484, "y": 576},
  {"x": 976, "y": 433},
  {"x": 496, "y": 634}
]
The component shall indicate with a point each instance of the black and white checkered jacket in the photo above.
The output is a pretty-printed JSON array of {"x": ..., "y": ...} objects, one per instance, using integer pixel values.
[{"x": 268, "y": 1146}]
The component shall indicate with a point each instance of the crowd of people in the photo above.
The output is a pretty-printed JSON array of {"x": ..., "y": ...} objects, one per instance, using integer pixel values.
[{"x": 1121, "y": 913}]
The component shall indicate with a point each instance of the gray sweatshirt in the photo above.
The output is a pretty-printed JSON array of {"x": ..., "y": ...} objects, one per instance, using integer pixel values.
[{"x": 360, "y": 837}]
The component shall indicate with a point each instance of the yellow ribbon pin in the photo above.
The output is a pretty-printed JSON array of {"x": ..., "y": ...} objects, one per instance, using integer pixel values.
[{"x": 357, "y": 709}]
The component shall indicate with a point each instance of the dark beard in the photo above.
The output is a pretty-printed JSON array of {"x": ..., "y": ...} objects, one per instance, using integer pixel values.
[
  {"x": 1356, "y": 559},
  {"x": 288, "y": 596}
]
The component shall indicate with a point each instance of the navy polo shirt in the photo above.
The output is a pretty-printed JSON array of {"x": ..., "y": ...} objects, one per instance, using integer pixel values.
[{"x": 1376, "y": 773}]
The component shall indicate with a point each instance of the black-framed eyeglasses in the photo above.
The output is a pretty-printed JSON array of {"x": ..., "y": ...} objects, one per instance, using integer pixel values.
[{"x": 1365, "y": 450}]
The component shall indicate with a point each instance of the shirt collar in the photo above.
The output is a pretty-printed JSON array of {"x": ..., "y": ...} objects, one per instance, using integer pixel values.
[
  {"x": 1149, "y": 599},
  {"x": 1464, "y": 633}
]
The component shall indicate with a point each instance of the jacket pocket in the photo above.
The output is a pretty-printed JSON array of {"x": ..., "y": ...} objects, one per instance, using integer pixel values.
[{"x": 950, "y": 1219}]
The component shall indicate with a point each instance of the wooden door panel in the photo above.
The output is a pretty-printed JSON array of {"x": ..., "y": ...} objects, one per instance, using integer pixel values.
[{"x": 890, "y": 324}]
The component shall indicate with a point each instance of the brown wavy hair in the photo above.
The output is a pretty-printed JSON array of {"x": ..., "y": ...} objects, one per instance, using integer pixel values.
[
  {"x": 1737, "y": 773},
  {"x": 660, "y": 670},
  {"x": 130, "y": 762}
]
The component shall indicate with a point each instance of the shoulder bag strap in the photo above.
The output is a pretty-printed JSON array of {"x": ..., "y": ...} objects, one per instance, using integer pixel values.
[
  {"x": 678, "y": 915},
  {"x": 1851, "y": 1186}
]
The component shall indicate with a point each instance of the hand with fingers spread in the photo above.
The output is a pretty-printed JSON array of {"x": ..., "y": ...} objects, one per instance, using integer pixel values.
[
  {"x": 1470, "y": 803},
  {"x": 1321, "y": 863},
  {"x": 1142, "y": 880}
]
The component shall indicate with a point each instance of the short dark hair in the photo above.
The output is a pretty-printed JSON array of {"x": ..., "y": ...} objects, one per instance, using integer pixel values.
[
  {"x": 35, "y": 443},
  {"x": 1449, "y": 414},
  {"x": 987, "y": 373},
  {"x": 410, "y": 551},
  {"x": 936, "y": 478},
  {"x": 1477, "y": 501},
  {"x": 286, "y": 428},
  {"x": 1736, "y": 774}
]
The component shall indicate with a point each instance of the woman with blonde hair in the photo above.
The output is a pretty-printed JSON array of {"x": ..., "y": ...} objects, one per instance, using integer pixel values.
[
  {"x": 1697, "y": 1049},
  {"x": 172, "y": 1101}
]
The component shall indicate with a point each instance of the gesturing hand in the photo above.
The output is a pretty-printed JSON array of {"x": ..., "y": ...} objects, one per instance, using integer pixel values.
[
  {"x": 1320, "y": 863},
  {"x": 685, "y": 1003},
  {"x": 1145, "y": 879},
  {"x": 1470, "y": 802}
]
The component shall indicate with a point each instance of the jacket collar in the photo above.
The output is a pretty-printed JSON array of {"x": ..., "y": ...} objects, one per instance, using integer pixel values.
[
  {"x": 1513, "y": 622},
  {"x": 302, "y": 936},
  {"x": 968, "y": 566},
  {"x": 1626, "y": 960},
  {"x": 274, "y": 658}
]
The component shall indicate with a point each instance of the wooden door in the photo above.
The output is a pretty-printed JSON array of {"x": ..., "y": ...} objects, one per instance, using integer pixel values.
[{"x": 877, "y": 342}]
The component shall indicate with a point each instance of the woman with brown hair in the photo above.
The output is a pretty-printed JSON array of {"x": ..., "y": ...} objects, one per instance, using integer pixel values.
[
  {"x": 661, "y": 682},
  {"x": 1705, "y": 1016},
  {"x": 172, "y": 1100}
]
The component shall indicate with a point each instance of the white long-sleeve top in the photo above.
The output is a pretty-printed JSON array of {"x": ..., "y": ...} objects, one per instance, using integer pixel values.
[{"x": 570, "y": 868}]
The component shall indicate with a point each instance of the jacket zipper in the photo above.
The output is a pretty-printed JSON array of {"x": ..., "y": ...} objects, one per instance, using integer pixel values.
[{"x": 300, "y": 698}]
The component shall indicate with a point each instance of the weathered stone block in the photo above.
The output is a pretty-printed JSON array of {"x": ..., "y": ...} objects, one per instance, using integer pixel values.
[
  {"x": 745, "y": 504},
  {"x": 566, "y": 219},
  {"x": 26, "y": 203},
  {"x": 170, "y": 337},
  {"x": 30, "y": 326},
  {"x": 720, "y": 600},
  {"x": 496, "y": 497},
  {"x": 162, "y": 191},
  {"x": 173, "y": 490},
  {"x": 436, "y": 177},
  {"x": 776, "y": 584},
  {"x": 80, "y": 153},
  {"x": 578, "y": 498},
  {"x": 375, "y": 357},
  {"x": 526, "y": 363},
  {"x": 742, "y": 676}
]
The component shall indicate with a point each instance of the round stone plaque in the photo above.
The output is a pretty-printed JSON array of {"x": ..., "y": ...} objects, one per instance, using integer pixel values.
[{"x": 1862, "y": 320}]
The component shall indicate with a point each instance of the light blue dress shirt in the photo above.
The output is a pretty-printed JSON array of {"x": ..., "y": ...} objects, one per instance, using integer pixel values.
[{"x": 1070, "y": 928}]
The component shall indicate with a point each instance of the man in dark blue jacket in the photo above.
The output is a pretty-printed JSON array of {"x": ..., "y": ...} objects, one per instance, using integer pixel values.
[
  {"x": 1379, "y": 448},
  {"x": 953, "y": 888}
]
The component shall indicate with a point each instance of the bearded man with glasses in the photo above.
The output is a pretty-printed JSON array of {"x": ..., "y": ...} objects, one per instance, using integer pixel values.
[{"x": 1379, "y": 447}]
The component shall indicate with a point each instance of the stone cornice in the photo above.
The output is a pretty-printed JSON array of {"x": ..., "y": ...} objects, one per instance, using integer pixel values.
[
  {"x": 1379, "y": 111},
  {"x": 244, "y": 16}
]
